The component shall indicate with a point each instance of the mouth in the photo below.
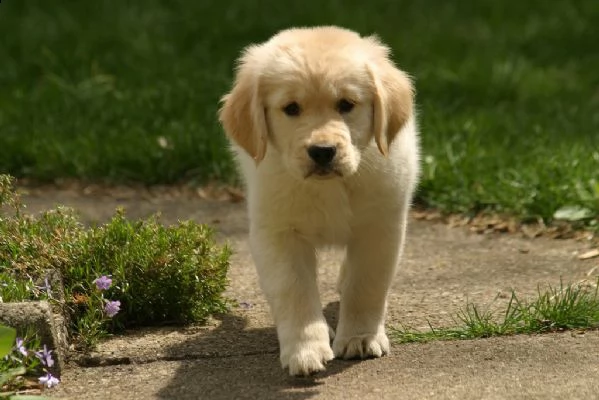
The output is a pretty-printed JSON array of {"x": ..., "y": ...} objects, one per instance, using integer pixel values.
[{"x": 322, "y": 173}]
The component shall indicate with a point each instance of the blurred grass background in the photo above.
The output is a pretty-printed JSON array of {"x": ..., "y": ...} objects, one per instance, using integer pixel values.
[{"x": 127, "y": 91}]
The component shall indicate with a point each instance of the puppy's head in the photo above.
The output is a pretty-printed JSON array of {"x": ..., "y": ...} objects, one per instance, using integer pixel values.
[{"x": 317, "y": 97}]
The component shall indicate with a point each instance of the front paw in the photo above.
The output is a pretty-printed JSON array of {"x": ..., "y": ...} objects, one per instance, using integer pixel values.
[
  {"x": 361, "y": 346},
  {"x": 307, "y": 358}
]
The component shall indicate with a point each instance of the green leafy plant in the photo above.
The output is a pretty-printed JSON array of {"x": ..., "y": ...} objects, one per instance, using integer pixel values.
[
  {"x": 17, "y": 359},
  {"x": 158, "y": 274},
  {"x": 161, "y": 275},
  {"x": 7, "y": 338}
]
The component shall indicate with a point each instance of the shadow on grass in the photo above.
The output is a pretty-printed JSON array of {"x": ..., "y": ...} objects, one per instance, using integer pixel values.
[{"x": 245, "y": 365}]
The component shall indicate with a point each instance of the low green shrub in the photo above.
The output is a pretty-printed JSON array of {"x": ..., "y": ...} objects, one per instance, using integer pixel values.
[{"x": 115, "y": 275}]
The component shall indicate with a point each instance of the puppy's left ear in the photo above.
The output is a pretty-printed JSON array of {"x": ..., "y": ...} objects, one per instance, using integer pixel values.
[{"x": 393, "y": 98}]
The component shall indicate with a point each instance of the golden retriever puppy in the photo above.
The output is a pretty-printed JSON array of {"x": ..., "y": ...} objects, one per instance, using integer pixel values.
[{"x": 323, "y": 128}]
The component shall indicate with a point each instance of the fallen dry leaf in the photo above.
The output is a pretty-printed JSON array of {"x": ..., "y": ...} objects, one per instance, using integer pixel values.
[
  {"x": 531, "y": 231},
  {"x": 592, "y": 271},
  {"x": 236, "y": 195},
  {"x": 589, "y": 254},
  {"x": 79, "y": 298}
]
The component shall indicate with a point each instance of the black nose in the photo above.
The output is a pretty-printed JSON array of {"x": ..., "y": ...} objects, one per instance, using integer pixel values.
[{"x": 322, "y": 155}]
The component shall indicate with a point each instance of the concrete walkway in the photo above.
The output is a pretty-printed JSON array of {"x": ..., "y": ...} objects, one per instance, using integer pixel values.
[{"x": 236, "y": 356}]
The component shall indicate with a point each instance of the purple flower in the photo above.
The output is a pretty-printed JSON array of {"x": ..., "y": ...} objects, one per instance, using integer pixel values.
[
  {"x": 112, "y": 308},
  {"x": 103, "y": 282},
  {"x": 20, "y": 347},
  {"x": 49, "y": 380},
  {"x": 45, "y": 287},
  {"x": 45, "y": 357},
  {"x": 245, "y": 304}
]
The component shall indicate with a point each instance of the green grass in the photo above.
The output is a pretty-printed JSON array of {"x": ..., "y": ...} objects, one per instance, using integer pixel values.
[
  {"x": 507, "y": 91},
  {"x": 160, "y": 274},
  {"x": 560, "y": 308}
]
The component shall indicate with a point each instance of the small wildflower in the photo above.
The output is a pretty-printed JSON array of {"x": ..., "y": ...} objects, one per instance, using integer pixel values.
[
  {"x": 49, "y": 380},
  {"x": 20, "y": 347},
  {"x": 112, "y": 308},
  {"x": 45, "y": 357},
  {"x": 45, "y": 287},
  {"x": 245, "y": 304},
  {"x": 103, "y": 282}
]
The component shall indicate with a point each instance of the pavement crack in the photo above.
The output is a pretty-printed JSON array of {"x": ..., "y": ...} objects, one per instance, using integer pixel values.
[{"x": 104, "y": 361}]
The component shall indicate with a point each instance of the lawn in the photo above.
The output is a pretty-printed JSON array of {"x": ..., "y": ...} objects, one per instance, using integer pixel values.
[{"x": 128, "y": 91}]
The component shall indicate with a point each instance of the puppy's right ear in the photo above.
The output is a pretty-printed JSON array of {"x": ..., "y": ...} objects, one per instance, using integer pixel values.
[{"x": 242, "y": 111}]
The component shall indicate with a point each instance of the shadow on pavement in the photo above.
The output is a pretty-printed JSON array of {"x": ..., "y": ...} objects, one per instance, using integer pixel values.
[{"x": 249, "y": 368}]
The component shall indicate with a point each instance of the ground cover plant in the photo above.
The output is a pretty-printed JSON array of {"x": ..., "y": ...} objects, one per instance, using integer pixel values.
[
  {"x": 128, "y": 91},
  {"x": 564, "y": 307},
  {"x": 115, "y": 275},
  {"x": 19, "y": 359}
]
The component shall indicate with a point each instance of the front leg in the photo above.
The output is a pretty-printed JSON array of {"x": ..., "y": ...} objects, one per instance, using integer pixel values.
[
  {"x": 286, "y": 267},
  {"x": 371, "y": 260}
]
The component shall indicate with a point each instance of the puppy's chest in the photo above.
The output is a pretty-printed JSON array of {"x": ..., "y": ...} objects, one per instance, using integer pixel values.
[{"x": 323, "y": 216}]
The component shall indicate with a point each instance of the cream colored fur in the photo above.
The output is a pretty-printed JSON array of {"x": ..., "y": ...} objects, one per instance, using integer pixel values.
[{"x": 360, "y": 203}]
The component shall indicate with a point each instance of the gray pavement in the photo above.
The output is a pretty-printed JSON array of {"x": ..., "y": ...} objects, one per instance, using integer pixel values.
[{"x": 235, "y": 356}]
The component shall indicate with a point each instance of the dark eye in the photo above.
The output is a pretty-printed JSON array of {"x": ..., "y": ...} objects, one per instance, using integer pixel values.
[
  {"x": 292, "y": 109},
  {"x": 344, "y": 106}
]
